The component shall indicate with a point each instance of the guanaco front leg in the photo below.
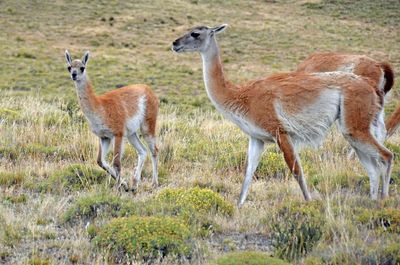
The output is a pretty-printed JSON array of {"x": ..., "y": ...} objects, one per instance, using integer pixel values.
[
  {"x": 256, "y": 148},
  {"x": 117, "y": 162},
  {"x": 101, "y": 158}
]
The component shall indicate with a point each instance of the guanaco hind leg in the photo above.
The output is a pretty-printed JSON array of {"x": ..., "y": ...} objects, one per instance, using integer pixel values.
[
  {"x": 293, "y": 162},
  {"x": 141, "y": 151},
  {"x": 151, "y": 143}
]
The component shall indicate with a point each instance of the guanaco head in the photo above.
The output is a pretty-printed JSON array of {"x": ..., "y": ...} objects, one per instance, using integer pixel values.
[
  {"x": 77, "y": 67},
  {"x": 197, "y": 39}
]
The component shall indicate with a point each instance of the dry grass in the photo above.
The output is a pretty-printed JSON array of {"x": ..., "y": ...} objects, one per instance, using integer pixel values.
[{"x": 43, "y": 130}]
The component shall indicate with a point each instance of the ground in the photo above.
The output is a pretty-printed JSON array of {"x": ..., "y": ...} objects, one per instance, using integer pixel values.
[{"x": 43, "y": 131}]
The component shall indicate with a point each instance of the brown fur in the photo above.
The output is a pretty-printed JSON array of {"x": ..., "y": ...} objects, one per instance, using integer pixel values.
[
  {"x": 117, "y": 106},
  {"x": 363, "y": 66}
]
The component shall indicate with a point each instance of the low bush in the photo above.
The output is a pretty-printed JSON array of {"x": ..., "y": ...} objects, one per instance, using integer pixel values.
[
  {"x": 346, "y": 180},
  {"x": 72, "y": 178},
  {"x": 8, "y": 152},
  {"x": 99, "y": 205},
  {"x": 195, "y": 206},
  {"x": 197, "y": 199},
  {"x": 386, "y": 219},
  {"x": 19, "y": 198},
  {"x": 271, "y": 164},
  {"x": 357, "y": 252},
  {"x": 145, "y": 239},
  {"x": 295, "y": 228}
]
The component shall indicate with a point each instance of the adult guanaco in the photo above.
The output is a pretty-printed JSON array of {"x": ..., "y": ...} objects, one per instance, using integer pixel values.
[
  {"x": 380, "y": 73},
  {"x": 119, "y": 113},
  {"x": 294, "y": 109}
]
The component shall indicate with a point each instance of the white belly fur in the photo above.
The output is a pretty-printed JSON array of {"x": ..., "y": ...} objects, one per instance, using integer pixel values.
[{"x": 309, "y": 126}]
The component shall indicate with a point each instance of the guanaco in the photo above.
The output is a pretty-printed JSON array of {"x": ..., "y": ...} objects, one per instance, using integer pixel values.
[
  {"x": 380, "y": 73},
  {"x": 293, "y": 110},
  {"x": 119, "y": 113}
]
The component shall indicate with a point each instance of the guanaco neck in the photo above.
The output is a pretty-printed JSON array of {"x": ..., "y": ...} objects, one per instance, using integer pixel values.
[
  {"x": 86, "y": 96},
  {"x": 220, "y": 91}
]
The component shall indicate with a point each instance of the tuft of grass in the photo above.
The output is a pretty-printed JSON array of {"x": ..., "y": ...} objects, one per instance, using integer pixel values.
[
  {"x": 37, "y": 149},
  {"x": 9, "y": 179},
  {"x": 15, "y": 199},
  {"x": 387, "y": 219},
  {"x": 346, "y": 180},
  {"x": 9, "y": 115},
  {"x": 10, "y": 234},
  {"x": 144, "y": 238},
  {"x": 56, "y": 119},
  {"x": 10, "y": 153},
  {"x": 96, "y": 205},
  {"x": 37, "y": 260},
  {"x": 247, "y": 258},
  {"x": 72, "y": 178}
]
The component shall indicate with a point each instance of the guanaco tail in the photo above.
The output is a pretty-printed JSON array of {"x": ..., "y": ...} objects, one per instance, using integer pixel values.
[
  {"x": 293, "y": 110},
  {"x": 117, "y": 114}
]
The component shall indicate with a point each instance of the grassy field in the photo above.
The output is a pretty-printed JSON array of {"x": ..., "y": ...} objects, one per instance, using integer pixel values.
[{"x": 58, "y": 207}]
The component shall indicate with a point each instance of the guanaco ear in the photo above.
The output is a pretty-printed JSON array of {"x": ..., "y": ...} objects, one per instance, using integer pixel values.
[
  {"x": 85, "y": 58},
  {"x": 219, "y": 29},
  {"x": 68, "y": 57}
]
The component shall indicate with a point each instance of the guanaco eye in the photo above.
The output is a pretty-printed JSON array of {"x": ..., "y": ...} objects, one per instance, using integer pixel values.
[
  {"x": 195, "y": 35},
  {"x": 69, "y": 68},
  {"x": 82, "y": 69}
]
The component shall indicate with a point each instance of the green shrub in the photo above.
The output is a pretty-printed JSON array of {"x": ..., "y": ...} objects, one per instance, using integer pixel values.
[
  {"x": 9, "y": 115},
  {"x": 9, "y": 179},
  {"x": 197, "y": 199},
  {"x": 144, "y": 238},
  {"x": 10, "y": 153},
  {"x": 247, "y": 258},
  {"x": 311, "y": 260},
  {"x": 20, "y": 198},
  {"x": 296, "y": 228},
  {"x": 392, "y": 253},
  {"x": 74, "y": 177},
  {"x": 92, "y": 206},
  {"x": 194, "y": 205},
  {"x": 387, "y": 219},
  {"x": 340, "y": 180}
]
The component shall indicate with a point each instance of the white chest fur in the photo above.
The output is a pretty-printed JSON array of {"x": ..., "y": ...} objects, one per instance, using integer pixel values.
[{"x": 98, "y": 125}]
